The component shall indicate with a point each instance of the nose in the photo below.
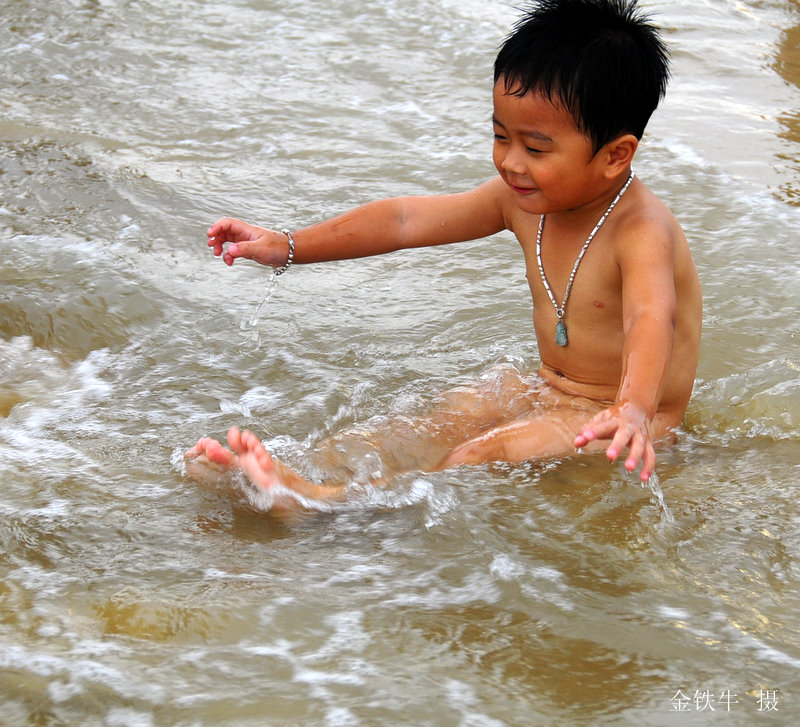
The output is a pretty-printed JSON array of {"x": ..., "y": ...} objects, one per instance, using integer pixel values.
[{"x": 511, "y": 160}]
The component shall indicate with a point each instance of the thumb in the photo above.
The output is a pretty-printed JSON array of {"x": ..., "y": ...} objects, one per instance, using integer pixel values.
[{"x": 233, "y": 251}]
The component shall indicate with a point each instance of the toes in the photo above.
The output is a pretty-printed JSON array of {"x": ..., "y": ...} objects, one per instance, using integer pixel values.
[
  {"x": 250, "y": 441},
  {"x": 252, "y": 444},
  {"x": 199, "y": 448},
  {"x": 235, "y": 440},
  {"x": 210, "y": 450},
  {"x": 245, "y": 442},
  {"x": 264, "y": 458},
  {"x": 217, "y": 453}
]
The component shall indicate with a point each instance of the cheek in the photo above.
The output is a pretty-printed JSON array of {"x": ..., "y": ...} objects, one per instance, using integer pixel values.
[
  {"x": 550, "y": 178},
  {"x": 497, "y": 157}
]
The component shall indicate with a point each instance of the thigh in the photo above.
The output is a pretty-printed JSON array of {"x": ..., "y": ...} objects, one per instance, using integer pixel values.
[
  {"x": 500, "y": 394},
  {"x": 545, "y": 434},
  {"x": 397, "y": 443}
]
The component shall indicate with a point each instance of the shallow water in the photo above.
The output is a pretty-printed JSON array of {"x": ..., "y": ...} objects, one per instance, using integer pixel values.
[{"x": 559, "y": 592}]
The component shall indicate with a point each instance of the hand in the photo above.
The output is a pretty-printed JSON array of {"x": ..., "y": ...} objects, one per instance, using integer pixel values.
[
  {"x": 247, "y": 241},
  {"x": 626, "y": 425}
]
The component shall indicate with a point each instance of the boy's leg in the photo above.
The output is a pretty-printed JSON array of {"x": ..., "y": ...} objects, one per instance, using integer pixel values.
[
  {"x": 210, "y": 461},
  {"x": 386, "y": 446},
  {"x": 547, "y": 435},
  {"x": 265, "y": 472},
  {"x": 469, "y": 425},
  {"x": 500, "y": 394}
]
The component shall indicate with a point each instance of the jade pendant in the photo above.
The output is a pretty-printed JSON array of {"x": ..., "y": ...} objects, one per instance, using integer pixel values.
[{"x": 561, "y": 334}]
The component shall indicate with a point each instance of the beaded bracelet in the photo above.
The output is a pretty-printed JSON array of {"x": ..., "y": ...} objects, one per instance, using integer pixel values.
[{"x": 283, "y": 268}]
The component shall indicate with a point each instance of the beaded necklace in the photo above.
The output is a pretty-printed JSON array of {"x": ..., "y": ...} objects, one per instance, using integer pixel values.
[{"x": 561, "y": 328}]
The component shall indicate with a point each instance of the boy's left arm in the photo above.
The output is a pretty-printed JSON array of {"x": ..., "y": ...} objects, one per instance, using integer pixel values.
[{"x": 648, "y": 312}]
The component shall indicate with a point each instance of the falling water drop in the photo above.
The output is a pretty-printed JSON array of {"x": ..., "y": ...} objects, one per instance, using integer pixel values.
[
  {"x": 658, "y": 494},
  {"x": 250, "y": 322}
]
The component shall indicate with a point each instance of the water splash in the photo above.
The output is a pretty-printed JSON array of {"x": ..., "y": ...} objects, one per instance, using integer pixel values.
[
  {"x": 763, "y": 401},
  {"x": 250, "y": 322},
  {"x": 667, "y": 518},
  {"x": 406, "y": 491}
]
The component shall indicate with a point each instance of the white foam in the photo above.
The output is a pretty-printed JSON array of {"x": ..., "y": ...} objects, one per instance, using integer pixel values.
[
  {"x": 123, "y": 717},
  {"x": 73, "y": 673},
  {"x": 673, "y": 613}
]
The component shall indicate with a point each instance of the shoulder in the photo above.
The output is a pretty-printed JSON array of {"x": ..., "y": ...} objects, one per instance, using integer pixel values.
[
  {"x": 645, "y": 226},
  {"x": 651, "y": 249}
]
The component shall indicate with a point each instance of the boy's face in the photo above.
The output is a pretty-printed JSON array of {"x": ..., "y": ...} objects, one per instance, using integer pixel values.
[{"x": 541, "y": 154}]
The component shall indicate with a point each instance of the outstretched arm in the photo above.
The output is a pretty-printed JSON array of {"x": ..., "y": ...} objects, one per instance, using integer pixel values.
[
  {"x": 372, "y": 229},
  {"x": 649, "y": 308}
]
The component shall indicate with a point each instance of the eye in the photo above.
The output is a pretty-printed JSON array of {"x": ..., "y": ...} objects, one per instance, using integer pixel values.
[
  {"x": 533, "y": 150},
  {"x": 499, "y": 137}
]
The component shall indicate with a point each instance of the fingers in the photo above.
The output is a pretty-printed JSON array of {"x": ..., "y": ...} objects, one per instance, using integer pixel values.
[
  {"x": 640, "y": 449},
  {"x": 218, "y": 234},
  {"x": 623, "y": 438},
  {"x": 635, "y": 453},
  {"x": 648, "y": 464},
  {"x": 625, "y": 432},
  {"x": 585, "y": 435},
  {"x": 599, "y": 427},
  {"x": 234, "y": 250},
  {"x": 232, "y": 239},
  {"x": 230, "y": 230}
]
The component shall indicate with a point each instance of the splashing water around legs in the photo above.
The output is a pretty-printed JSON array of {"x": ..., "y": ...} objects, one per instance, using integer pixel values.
[
  {"x": 469, "y": 426},
  {"x": 210, "y": 461}
]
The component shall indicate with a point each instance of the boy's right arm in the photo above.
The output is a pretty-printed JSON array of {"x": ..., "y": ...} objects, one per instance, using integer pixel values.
[{"x": 372, "y": 229}]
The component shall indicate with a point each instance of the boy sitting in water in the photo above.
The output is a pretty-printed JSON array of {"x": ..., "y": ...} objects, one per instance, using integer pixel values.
[{"x": 616, "y": 296}]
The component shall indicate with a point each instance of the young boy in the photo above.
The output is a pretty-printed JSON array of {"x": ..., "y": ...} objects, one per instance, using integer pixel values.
[{"x": 616, "y": 297}]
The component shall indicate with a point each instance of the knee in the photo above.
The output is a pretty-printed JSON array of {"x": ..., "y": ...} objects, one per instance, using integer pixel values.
[
  {"x": 461, "y": 399},
  {"x": 515, "y": 442},
  {"x": 486, "y": 448}
]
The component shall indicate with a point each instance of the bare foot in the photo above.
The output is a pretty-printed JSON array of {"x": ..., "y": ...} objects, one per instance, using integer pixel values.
[
  {"x": 212, "y": 463},
  {"x": 254, "y": 460},
  {"x": 267, "y": 473},
  {"x": 209, "y": 462}
]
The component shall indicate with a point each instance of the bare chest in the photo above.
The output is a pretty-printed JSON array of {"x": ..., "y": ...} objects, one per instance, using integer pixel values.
[{"x": 569, "y": 280}]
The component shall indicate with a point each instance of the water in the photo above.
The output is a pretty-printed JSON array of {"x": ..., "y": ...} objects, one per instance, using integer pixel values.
[{"x": 560, "y": 592}]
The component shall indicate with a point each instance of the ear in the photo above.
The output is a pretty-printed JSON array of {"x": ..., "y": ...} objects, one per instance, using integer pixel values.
[{"x": 619, "y": 154}]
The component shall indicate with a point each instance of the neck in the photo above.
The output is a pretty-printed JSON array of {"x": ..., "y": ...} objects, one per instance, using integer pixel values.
[{"x": 587, "y": 214}]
